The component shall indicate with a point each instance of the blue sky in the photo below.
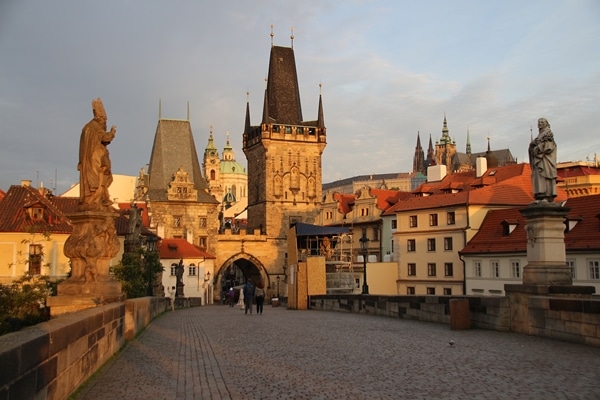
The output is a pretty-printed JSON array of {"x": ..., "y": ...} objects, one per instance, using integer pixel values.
[{"x": 388, "y": 69}]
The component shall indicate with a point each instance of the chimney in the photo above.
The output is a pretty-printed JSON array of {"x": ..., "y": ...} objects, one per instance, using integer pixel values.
[
  {"x": 26, "y": 182},
  {"x": 436, "y": 173},
  {"x": 481, "y": 166}
]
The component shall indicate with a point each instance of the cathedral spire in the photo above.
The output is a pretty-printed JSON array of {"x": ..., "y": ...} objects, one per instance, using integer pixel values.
[
  {"x": 265, "y": 118},
  {"x": 468, "y": 143},
  {"x": 419, "y": 157}
]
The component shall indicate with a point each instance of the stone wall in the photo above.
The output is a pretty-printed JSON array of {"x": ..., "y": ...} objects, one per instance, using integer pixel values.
[
  {"x": 52, "y": 359},
  {"x": 574, "y": 320}
]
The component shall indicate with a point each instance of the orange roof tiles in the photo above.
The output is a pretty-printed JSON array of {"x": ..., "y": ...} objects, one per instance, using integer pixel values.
[
  {"x": 180, "y": 249},
  {"x": 492, "y": 236}
]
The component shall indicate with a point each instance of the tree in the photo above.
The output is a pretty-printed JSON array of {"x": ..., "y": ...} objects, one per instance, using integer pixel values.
[
  {"x": 137, "y": 271},
  {"x": 23, "y": 302}
]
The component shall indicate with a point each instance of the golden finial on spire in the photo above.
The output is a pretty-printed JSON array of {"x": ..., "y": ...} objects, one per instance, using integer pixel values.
[
  {"x": 320, "y": 88},
  {"x": 211, "y": 129},
  {"x": 272, "y": 34},
  {"x": 247, "y": 96},
  {"x": 292, "y": 36}
]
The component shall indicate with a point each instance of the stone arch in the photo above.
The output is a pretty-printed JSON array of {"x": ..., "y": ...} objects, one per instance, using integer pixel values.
[{"x": 251, "y": 267}]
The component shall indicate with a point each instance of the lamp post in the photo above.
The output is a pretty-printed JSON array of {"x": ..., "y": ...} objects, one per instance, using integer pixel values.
[
  {"x": 206, "y": 287},
  {"x": 364, "y": 246},
  {"x": 150, "y": 248},
  {"x": 278, "y": 279}
]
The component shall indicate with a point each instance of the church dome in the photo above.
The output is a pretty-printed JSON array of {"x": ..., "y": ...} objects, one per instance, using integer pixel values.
[{"x": 231, "y": 167}]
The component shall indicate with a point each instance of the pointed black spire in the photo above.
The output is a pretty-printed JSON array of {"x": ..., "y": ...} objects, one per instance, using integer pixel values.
[
  {"x": 265, "y": 118},
  {"x": 320, "y": 119},
  {"x": 419, "y": 157},
  {"x": 247, "y": 125}
]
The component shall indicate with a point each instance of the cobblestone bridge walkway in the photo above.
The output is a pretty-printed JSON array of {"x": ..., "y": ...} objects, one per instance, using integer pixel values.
[{"x": 218, "y": 352}]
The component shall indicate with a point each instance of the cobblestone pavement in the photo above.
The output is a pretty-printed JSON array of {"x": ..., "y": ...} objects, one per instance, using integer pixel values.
[{"x": 218, "y": 352}]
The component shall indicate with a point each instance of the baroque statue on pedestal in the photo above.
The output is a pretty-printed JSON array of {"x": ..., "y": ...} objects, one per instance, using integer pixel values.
[{"x": 542, "y": 158}]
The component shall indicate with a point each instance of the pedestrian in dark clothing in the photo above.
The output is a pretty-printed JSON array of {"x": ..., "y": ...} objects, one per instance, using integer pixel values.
[
  {"x": 248, "y": 296},
  {"x": 259, "y": 293}
]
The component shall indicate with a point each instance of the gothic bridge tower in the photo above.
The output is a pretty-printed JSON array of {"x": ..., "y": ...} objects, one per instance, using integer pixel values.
[{"x": 284, "y": 153}]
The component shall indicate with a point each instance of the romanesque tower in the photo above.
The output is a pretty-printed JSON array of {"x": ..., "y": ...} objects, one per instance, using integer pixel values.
[{"x": 284, "y": 153}]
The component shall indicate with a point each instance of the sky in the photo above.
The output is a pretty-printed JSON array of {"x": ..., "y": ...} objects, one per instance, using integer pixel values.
[{"x": 388, "y": 70}]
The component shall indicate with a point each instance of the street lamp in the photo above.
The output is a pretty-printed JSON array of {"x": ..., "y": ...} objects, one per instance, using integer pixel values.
[
  {"x": 150, "y": 248},
  {"x": 364, "y": 247},
  {"x": 278, "y": 279}
]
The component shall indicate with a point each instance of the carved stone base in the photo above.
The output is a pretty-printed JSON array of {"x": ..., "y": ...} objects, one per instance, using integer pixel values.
[
  {"x": 66, "y": 304},
  {"x": 534, "y": 273},
  {"x": 108, "y": 288}
]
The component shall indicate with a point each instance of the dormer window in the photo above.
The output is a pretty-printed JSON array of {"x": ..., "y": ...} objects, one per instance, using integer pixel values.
[
  {"x": 570, "y": 223},
  {"x": 508, "y": 227},
  {"x": 36, "y": 213}
]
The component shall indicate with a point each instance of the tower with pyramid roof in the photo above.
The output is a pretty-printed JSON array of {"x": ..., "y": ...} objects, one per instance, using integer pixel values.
[
  {"x": 284, "y": 153},
  {"x": 176, "y": 191}
]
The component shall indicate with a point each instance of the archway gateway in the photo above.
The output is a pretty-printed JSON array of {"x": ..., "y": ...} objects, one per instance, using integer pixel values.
[{"x": 236, "y": 270}]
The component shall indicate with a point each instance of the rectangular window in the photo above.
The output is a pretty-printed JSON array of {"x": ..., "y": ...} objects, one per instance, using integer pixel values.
[
  {"x": 202, "y": 222},
  {"x": 176, "y": 221},
  {"x": 192, "y": 270},
  {"x": 410, "y": 290},
  {"x": 515, "y": 267},
  {"x": 328, "y": 215},
  {"x": 447, "y": 291},
  {"x": 375, "y": 234},
  {"x": 477, "y": 268},
  {"x": 412, "y": 269},
  {"x": 202, "y": 242},
  {"x": 430, "y": 290},
  {"x": 594, "y": 266},
  {"x": 571, "y": 266},
  {"x": 430, "y": 244},
  {"x": 448, "y": 269},
  {"x": 451, "y": 218},
  {"x": 448, "y": 243},
  {"x": 411, "y": 245},
  {"x": 173, "y": 269},
  {"x": 431, "y": 269},
  {"x": 35, "y": 259},
  {"x": 495, "y": 265},
  {"x": 433, "y": 220},
  {"x": 394, "y": 224},
  {"x": 412, "y": 221},
  {"x": 364, "y": 212}
]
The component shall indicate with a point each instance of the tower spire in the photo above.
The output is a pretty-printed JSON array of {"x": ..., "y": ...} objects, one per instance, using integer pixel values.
[
  {"x": 320, "y": 119},
  {"x": 247, "y": 124},
  {"x": 468, "y": 142}
]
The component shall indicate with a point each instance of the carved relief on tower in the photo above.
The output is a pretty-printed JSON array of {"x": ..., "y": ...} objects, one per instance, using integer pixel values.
[
  {"x": 294, "y": 179},
  {"x": 181, "y": 188},
  {"x": 277, "y": 185},
  {"x": 312, "y": 187}
]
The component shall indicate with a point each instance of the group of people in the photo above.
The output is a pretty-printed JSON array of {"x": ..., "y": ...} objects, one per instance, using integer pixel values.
[{"x": 249, "y": 293}]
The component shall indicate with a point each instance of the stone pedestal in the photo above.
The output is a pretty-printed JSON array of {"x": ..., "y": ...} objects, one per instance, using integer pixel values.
[
  {"x": 546, "y": 273},
  {"x": 90, "y": 247},
  {"x": 546, "y": 259}
]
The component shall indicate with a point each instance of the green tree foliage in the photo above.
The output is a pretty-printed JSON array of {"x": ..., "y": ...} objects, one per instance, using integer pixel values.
[
  {"x": 23, "y": 302},
  {"x": 135, "y": 270}
]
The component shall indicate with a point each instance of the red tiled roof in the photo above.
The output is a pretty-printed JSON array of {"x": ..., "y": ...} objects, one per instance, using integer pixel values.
[
  {"x": 142, "y": 207},
  {"x": 180, "y": 249},
  {"x": 345, "y": 202},
  {"x": 491, "y": 238},
  {"x": 14, "y": 216},
  {"x": 577, "y": 170},
  {"x": 508, "y": 185},
  {"x": 387, "y": 197}
]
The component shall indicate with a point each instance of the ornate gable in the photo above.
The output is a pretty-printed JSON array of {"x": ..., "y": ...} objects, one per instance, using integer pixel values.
[{"x": 181, "y": 188}]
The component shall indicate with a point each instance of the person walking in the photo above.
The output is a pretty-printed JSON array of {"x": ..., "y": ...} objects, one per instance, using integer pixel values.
[
  {"x": 248, "y": 290},
  {"x": 259, "y": 293},
  {"x": 231, "y": 297},
  {"x": 172, "y": 292}
]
